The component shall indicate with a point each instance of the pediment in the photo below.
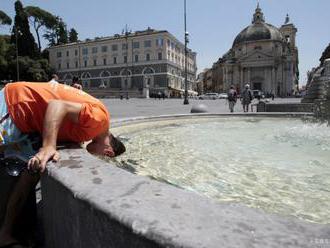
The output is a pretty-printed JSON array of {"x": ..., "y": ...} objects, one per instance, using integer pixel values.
[{"x": 255, "y": 56}]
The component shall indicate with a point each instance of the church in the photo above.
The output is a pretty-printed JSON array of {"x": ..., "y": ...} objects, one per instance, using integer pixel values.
[{"x": 263, "y": 56}]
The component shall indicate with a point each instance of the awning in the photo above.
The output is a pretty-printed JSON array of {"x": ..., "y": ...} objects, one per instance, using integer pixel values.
[
  {"x": 174, "y": 89},
  {"x": 192, "y": 92}
]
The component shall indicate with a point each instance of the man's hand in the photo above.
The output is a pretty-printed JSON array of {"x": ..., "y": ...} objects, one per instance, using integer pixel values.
[{"x": 38, "y": 162}]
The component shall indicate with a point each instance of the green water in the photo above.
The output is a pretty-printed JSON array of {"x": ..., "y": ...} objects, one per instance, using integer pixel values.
[{"x": 276, "y": 164}]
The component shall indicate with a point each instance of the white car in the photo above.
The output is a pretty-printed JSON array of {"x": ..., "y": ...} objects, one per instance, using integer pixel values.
[
  {"x": 223, "y": 96},
  {"x": 212, "y": 96}
]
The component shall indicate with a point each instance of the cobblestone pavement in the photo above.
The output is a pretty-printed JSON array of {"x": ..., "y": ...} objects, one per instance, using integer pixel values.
[{"x": 135, "y": 107}]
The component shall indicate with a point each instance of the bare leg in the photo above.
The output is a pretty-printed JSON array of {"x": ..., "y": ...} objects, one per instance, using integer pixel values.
[{"x": 16, "y": 202}]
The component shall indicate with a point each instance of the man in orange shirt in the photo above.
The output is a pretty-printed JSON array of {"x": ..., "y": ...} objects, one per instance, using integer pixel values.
[{"x": 58, "y": 113}]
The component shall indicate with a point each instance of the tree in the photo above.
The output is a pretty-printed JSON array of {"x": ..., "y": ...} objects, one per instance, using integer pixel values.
[
  {"x": 325, "y": 54},
  {"x": 73, "y": 35},
  {"x": 62, "y": 33},
  {"x": 58, "y": 34},
  {"x": 4, "y": 19},
  {"x": 40, "y": 18},
  {"x": 21, "y": 31}
]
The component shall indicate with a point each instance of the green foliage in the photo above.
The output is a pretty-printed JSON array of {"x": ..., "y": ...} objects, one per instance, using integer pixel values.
[
  {"x": 62, "y": 33},
  {"x": 73, "y": 35},
  {"x": 4, "y": 19},
  {"x": 31, "y": 70},
  {"x": 21, "y": 33},
  {"x": 325, "y": 54},
  {"x": 58, "y": 34},
  {"x": 33, "y": 63},
  {"x": 40, "y": 18}
]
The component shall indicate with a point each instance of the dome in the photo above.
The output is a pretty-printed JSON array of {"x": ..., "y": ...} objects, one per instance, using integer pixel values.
[{"x": 258, "y": 30}]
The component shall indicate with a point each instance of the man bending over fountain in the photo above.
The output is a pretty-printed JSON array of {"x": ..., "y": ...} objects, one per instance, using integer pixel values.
[{"x": 58, "y": 113}]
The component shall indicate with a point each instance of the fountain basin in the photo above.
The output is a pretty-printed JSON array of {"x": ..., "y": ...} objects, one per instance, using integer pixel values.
[{"x": 91, "y": 203}]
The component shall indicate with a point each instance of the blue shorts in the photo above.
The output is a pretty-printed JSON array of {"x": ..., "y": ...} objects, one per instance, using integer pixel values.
[{"x": 15, "y": 144}]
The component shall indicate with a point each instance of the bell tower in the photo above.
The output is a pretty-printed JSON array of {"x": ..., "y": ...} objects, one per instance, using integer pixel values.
[{"x": 289, "y": 32}]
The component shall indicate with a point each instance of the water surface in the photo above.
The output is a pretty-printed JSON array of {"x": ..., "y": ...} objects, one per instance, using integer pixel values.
[{"x": 278, "y": 164}]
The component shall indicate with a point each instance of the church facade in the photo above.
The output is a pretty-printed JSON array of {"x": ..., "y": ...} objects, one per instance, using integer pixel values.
[{"x": 263, "y": 56}]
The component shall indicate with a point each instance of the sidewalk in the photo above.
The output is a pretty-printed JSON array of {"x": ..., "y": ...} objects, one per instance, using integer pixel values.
[{"x": 136, "y": 107}]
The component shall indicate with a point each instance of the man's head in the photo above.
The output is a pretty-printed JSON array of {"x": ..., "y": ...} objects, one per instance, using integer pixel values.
[
  {"x": 55, "y": 77},
  {"x": 75, "y": 80},
  {"x": 247, "y": 86},
  {"x": 107, "y": 145},
  {"x": 232, "y": 87}
]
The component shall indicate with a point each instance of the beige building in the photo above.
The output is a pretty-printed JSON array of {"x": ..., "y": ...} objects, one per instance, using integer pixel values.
[
  {"x": 138, "y": 63},
  {"x": 262, "y": 55}
]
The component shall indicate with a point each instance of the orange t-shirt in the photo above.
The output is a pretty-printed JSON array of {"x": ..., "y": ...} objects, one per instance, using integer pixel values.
[{"x": 27, "y": 104}]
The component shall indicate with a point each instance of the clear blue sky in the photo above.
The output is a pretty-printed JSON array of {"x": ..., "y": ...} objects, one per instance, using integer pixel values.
[{"x": 212, "y": 24}]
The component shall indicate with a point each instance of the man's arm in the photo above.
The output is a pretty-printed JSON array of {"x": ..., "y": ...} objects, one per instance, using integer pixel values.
[{"x": 56, "y": 111}]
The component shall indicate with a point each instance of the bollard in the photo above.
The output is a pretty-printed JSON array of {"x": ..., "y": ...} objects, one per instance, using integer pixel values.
[{"x": 199, "y": 108}]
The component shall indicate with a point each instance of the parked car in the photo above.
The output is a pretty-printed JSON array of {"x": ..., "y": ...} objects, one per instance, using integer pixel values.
[
  {"x": 212, "y": 96},
  {"x": 223, "y": 96}
]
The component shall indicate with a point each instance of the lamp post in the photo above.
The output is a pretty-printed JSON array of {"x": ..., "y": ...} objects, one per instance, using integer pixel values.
[
  {"x": 185, "y": 56},
  {"x": 17, "y": 32}
]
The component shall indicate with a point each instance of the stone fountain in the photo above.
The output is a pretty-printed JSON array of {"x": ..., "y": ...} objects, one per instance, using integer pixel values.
[{"x": 319, "y": 91}]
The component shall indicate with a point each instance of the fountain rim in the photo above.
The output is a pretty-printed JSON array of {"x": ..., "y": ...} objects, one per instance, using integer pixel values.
[
  {"x": 116, "y": 123},
  {"x": 157, "y": 212}
]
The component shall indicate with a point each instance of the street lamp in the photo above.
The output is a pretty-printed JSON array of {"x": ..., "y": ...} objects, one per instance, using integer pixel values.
[
  {"x": 186, "y": 40},
  {"x": 17, "y": 32}
]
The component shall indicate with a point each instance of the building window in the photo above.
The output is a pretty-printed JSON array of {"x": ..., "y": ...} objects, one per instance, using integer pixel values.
[
  {"x": 160, "y": 56},
  {"x": 104, "y": 61},
  {"x": 136, "y": 58},
  {"x": 94, "y": 50},
  {"x": 76, "y": 52},
  {"x": 147, "y": 43},
  {"x": 125, "y": 59},
  {"x": 76, "y": 64},
  {"x": 115, "y": 60},
  {"x": 67, "y": 53},
  {"x": 59, "y": 54},
  {"x": 114, "y": 47},
  {"x": 59, "y": 66},
  {"x": 104, "y": 49},
  {"x": 172, "y": 45},
  {"x": 168, "y": 43},
  {"x": 124, "y": 46},
  {"x": 147, "y": 57},
  {"x": 159, "y": 42},
  {"x": 136, "y": 44},
  {"x": 85, "y": 63},
  {"x": 67, "y": 65},
  {"x": 85, "y": 51},
  {"x": 94, "y": 62}
]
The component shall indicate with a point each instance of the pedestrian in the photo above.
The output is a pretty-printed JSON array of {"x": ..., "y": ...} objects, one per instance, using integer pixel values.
[
  {"x": 54, "y": 79},
  {"x": 76, "y": 84},
  {"x": 58, "y": 113},
  {"x": 159, "y": 95},
  {"x": 232, "y": 98},
  {"x": 246, "y": 98}
]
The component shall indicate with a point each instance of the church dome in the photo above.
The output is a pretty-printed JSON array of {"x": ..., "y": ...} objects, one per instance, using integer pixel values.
[{"x": 258, "y": 30}]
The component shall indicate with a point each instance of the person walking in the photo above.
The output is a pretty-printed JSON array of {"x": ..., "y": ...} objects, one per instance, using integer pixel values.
[
  {"x": 246, "y": 98},
  {"x": 232, "y": 98}
]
